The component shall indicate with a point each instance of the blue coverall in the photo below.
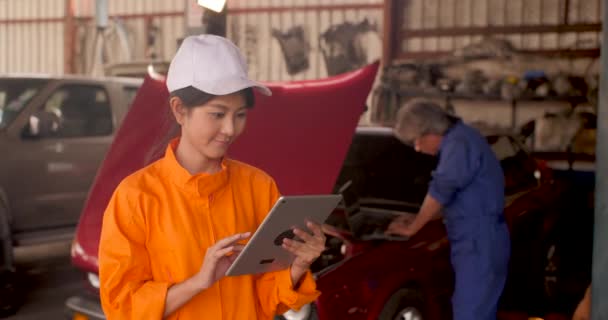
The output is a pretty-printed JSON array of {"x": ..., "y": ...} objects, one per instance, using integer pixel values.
[{"x": 469, "y": 183}]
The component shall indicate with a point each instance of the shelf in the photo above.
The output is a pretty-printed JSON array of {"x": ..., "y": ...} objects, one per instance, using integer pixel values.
[{"x": 483, "y": 97}]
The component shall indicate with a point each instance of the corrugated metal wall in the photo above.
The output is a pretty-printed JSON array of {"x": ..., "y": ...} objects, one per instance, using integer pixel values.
[
  {"x": 32, "y": 36},
  {"x": 446, "y": 25},
  {"x": 35, "y": 33},
  {"x": 163, "y": 18},
  {"x": 257, "y": 25},
  {"x": 282, "y": 39},
  {"x": 132, "y": 25}
]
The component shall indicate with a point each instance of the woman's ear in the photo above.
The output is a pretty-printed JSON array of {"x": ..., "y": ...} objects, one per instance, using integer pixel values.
[{"x": 178, "y": 109}]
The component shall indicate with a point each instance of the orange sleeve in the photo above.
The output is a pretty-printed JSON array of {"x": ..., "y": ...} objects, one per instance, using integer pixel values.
[
  {"x": 277, "y": 294},
  {"x": 275, "y": 290},
  {"x": 126, "y": 286}
]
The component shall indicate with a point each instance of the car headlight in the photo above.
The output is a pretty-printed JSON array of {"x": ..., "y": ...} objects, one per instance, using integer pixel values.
[
  {"x": 303, "y": 314},
  {"x": 93, "y": 280}
]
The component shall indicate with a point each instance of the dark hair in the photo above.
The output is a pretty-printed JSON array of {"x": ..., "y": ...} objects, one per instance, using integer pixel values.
[{"x": 192, "y": 97}]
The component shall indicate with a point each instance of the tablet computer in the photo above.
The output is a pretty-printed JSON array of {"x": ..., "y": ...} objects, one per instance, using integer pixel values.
[{"x": 264, "y": 253}]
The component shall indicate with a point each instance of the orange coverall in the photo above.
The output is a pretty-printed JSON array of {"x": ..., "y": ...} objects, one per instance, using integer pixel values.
[{"x": 157, "y": 228}]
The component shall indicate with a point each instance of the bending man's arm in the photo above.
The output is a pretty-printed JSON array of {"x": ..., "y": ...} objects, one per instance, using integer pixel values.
[{"x": 431, "y": 209}]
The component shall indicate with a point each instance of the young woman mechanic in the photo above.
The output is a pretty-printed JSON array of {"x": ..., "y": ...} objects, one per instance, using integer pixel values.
[
  {"x": 468, "y": 187},
  {"x": 172, "y": 229}
]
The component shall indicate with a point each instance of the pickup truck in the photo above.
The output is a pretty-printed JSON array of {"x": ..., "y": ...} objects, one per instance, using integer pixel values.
[{"x": 55, "y": 132}]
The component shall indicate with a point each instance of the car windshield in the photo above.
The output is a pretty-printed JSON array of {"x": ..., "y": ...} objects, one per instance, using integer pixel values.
[{"x": 15, "y": 94}]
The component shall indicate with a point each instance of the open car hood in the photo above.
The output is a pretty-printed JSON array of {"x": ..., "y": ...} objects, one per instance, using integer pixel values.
[{"x": 299, "y": 136}]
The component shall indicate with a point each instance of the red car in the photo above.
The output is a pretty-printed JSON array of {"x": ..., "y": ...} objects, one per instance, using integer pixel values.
[
  {"x": 301, "y": 136},
  {"x": 366, "y": 275}
]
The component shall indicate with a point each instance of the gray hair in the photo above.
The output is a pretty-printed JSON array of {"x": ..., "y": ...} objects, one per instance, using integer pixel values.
[{"x": 421, "y": 117}]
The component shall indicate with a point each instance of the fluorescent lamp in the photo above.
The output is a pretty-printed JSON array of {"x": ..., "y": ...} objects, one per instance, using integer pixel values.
[{"x": 215, "y": 5}]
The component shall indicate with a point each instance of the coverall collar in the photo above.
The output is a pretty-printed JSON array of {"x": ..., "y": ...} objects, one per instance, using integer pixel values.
[
  {"x": 450, "y": 131},
  {"x": 202, "y": 184}
]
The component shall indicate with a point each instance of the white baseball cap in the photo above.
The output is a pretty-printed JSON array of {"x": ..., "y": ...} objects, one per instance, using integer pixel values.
[{"x": 211, "y": 64}]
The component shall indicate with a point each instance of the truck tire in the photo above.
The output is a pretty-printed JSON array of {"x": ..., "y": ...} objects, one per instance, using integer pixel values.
[
  {"x": 7, "y": 262},
  {"x": 9, "y": 299},
  {"x": 405, "y": 303}
]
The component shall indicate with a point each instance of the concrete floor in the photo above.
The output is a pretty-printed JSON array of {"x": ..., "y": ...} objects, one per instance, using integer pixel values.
[{"x": 48, "y": 279}]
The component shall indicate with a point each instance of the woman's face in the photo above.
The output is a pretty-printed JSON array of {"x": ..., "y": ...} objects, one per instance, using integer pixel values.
[{"x": 211, "y": 128}]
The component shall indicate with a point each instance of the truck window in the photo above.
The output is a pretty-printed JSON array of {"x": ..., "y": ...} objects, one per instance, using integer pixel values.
[
  {"x": 15, "y": 94},
  {"x": 130, "y": 93},
  {"x": 82, "y": 110}
]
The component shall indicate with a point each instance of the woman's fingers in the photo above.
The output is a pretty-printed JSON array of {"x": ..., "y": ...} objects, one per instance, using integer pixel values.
[
  {"x": 291, "y": 245},
  {"x": 315, "y": 228},
  {"x": 310, "y": 247},
  {"x": 331, "y": 231},
  {"x": 230, "y": 240},
  {"x": 303, "y": 248},
  {"x": 317, "y": 241},
  {"x": 300, "y": 250},
  {"x": 226, "y": 245},
  {"x": 231, "y": 249},
  {"x": 294, "y": 246},
  {"x": 232, "y": 258},
  {"x": 303, "y": 235}
]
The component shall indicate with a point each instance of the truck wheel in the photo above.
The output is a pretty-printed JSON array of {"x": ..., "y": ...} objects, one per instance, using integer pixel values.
[
  {"x": 7, "y": 261},
  {"x": 405, "y": 304},
  {"x": 10, "y": 300}
]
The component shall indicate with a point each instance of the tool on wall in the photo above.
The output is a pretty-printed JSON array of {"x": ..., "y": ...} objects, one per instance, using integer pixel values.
[{"x": 107, "y": 32}]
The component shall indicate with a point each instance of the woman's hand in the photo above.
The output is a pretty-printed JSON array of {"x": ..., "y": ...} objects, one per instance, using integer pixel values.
[
  {"x": 219, "y": 258},
  {"x": 306, "y": 249}
]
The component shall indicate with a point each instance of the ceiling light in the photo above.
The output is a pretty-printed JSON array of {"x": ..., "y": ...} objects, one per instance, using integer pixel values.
[{"x": 215, "y": 5}]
